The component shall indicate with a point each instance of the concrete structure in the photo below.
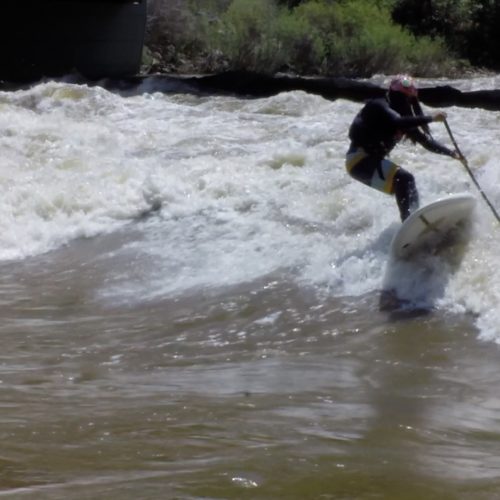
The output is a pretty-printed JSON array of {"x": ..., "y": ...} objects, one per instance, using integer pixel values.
[{"x": 97, "y": 38}]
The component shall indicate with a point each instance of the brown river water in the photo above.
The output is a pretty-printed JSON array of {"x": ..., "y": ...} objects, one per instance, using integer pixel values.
[
  {"x": 257, "y": 391},
  {"x": 193, "y": 306}
]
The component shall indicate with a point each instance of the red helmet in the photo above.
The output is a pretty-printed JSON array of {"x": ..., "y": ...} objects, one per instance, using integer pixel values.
[{"x": 405, "y": 85}]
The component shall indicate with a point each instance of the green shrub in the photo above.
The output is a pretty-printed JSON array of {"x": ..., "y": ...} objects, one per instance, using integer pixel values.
[
  {"x": 342, "y": 37},
  {"x": 360, "y": 39},
  {"x": 247, "y": 34},
  {"x": 304, "y": 47}
]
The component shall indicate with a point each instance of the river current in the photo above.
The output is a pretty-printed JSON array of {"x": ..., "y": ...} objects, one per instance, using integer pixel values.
[{"x": 194, "y": 304}]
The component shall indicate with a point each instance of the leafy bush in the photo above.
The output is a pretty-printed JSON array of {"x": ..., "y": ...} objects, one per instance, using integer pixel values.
[
  {"x": 343, "y": 37},
  {"x": 304, "y": 47},
  {"x": 359, "y": 39},
  {"x": 247, "y": 35},
  {"x": 470, "y": 27}
]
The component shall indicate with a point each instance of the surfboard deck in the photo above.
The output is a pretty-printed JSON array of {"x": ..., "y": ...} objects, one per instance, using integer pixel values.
[{"x": 432, "y": 225}]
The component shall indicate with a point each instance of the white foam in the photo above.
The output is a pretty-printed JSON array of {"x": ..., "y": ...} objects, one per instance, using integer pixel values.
[{"x": 246, "y": 188}]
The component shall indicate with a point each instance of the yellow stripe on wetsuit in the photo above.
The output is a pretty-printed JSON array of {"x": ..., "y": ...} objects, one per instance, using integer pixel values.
[
  {"x": 352, "y": 159},
  {"x": 387, "y": 167}
]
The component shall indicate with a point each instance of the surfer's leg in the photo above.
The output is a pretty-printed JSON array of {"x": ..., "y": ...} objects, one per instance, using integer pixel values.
[
  {"x": 358, "y": 165},
  {"x": 386, "y": 176},
  {"x": 406, "y": 192},
  {"x": 371, "y": 170}
]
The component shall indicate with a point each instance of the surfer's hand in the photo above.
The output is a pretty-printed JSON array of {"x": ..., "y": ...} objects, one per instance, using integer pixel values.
[
  {"x": 439, "y": 116},
  {"x": 456, "y": 155}
]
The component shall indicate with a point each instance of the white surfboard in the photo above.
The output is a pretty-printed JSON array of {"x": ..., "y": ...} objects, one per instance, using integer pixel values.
[{"x": 432, "y": 224}]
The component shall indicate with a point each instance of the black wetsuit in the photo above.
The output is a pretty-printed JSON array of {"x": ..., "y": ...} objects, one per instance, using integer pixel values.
[{"x": 376, "y": 130}]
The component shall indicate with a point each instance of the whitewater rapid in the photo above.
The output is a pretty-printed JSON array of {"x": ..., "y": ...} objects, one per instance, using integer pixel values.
[{"x": 220, "y": 191}]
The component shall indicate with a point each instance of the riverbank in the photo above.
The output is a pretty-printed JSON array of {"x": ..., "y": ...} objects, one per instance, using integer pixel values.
[{"x": 246, "y": 84}]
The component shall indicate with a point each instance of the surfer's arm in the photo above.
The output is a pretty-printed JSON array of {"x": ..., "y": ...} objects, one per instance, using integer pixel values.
[
  {"x": 429, "y": 143},
  {"x": 407, "y": 123}
]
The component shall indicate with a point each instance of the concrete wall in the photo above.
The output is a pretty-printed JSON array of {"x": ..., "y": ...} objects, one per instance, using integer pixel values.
[{"x": 97, "y": 38}]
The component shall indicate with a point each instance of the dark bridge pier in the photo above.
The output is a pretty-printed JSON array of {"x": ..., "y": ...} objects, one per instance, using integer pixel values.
[{"x": 50, "y": 38}]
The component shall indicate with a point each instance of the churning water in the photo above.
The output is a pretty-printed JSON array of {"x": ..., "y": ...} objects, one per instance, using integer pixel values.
[{"x": 193, "y": 305}]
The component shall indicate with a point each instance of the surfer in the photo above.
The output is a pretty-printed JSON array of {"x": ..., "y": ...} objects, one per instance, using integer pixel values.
[{"x": 376, "y": 130}]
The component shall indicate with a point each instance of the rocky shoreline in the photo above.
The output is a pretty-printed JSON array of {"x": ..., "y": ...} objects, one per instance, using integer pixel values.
[{"x": 255, "y": 85}]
